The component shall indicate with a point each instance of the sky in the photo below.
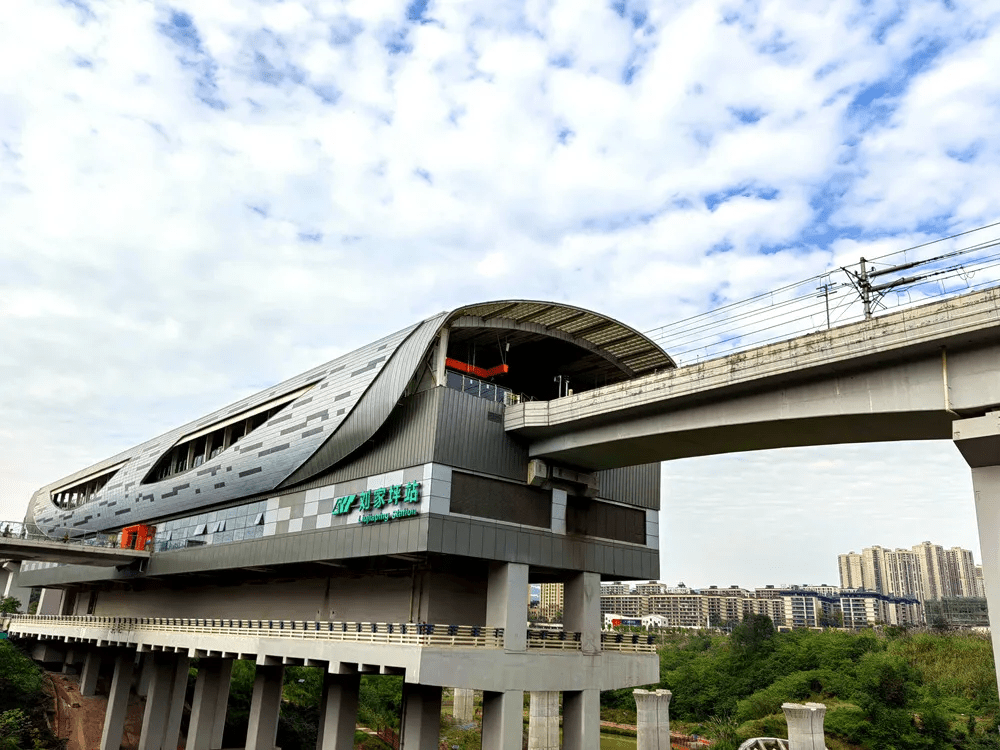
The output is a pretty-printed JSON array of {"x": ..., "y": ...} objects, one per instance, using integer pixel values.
[{"x": 198, "y": 200}]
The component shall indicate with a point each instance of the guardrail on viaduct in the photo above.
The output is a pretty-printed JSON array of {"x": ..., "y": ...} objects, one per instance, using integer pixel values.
[{"x": 416, "y": 634}]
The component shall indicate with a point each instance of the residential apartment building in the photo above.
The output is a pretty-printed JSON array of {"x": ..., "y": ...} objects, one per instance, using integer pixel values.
[
  {"x": 550, "y": 601},
  {"x": 926, "y": 572},
  {"x": 791, "y": 606}
]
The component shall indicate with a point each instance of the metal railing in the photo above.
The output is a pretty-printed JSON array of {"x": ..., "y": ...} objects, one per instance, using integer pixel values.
[
  {"x": 628, "y": 642},
  {"x": 412, "y": 633},
  {"x": 19, "y": 531},
  {"x": 553, "y": 639}
]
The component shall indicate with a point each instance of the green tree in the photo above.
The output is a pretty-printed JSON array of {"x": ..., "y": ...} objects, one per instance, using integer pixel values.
[{"x": 9, "y": 605}]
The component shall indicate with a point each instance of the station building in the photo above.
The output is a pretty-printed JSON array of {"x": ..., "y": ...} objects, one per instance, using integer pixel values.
[{"x": 371, "y": 515}]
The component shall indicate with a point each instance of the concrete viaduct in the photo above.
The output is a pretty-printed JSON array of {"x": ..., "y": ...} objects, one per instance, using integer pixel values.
[{"x": 926, "y": 373}]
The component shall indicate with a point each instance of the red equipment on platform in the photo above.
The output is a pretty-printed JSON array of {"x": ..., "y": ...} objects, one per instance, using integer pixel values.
[
  {"x": 479, "y": 372},
  {"x": 137, "y": 537}
]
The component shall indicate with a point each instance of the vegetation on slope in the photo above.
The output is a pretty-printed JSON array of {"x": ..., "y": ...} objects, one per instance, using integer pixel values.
[
  {"x": 23, "y": 702},
  {"x": 893, "y": 690}
]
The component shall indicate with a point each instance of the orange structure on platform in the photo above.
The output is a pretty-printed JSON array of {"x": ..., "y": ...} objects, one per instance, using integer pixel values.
[
  {"x": 137, "y": 537},
  {"x": 479, "y": 372}
]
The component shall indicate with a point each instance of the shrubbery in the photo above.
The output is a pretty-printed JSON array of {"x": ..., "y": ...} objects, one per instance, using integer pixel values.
[{"x": 889, "y": 691}]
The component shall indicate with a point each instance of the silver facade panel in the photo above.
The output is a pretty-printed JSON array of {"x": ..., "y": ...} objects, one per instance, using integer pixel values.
[
  {"x": 468, "y": 439},
  {"x": 256, "y": 464},
  {"x": 374, "y": 407},
  {"x": 635, "y": 485}
]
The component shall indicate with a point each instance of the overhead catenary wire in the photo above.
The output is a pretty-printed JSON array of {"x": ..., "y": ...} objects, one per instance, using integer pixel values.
[{"x": 755, "y": 320}]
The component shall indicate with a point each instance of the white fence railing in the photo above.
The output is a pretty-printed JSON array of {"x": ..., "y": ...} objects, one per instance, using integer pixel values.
[{"x": 413, "y": 633}]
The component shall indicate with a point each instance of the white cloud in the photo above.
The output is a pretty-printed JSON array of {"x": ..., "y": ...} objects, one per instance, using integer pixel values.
[{"x": 200, "y": 199}]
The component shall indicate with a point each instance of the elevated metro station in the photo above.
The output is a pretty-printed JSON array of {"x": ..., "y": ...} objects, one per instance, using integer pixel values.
[{"x": 371, "y": 515}]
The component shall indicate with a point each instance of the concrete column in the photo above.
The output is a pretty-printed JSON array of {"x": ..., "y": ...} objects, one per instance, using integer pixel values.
[
  {"x": 503, "y": 720},
  {"x": 805, "y": 725},
  {"x": 50, "y": 602},
  {"x": 582, "y": 719},
  {"x": 978, "y": 440},
  {"x": 653, "y": 721},
  {"x": 208, "y": 706},
  {"x": 178, "y": 692},
  {"x": 463, "y": 709},
  {"x": 338, "y": 712},
  {"x": 161, "y": 669},
  {"x": 69, "y": 660},
  {"x": 114, "y": 716},
  {"x": 145, "y": 674},
  {"x": 89, "y": 672},
  {"x": 507, "y": 603},
  {"x": 265, "y": 707},
  {"x": 582, "y": 610},
  {"x": 421, "y": 725},
  {"x": 543, "y": 720},
  {"x": 9, "y": 587}
]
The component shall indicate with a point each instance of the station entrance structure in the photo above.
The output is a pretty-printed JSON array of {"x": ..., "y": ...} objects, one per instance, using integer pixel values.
[{"x": 371, "y": 515}]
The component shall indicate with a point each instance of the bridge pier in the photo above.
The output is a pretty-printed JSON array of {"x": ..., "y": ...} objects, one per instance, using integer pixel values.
[
  {"x": 265, "y": 706},
  {"x": 90, "y": 670},
  {"x": 161, "y": 668},
  {"x": 503, "y": 720},
  {"x": 978, "y": 440},
  {"x": 421, "y": 725},
  {"x": 653, "y": 719},
  {"x": 209, "y": 703},
  {"x": 338, "y": 711},
  {"x": 121, "y": 683},
  {"x": 543, "y": 720},
  {"x": 582, "y": 719},
  {"x": 463, "y": 708}
]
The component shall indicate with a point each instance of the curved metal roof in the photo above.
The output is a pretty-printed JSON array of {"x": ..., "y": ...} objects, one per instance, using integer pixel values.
[
  {"x": 334, "y": 409},
  {"x": 620, "y": 344}
]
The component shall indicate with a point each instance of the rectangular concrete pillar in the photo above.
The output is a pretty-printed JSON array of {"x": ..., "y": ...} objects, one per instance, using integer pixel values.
[
  {"x": 503, "y": 720},
  {"x": 90, "y": 670},
  {"x": 653, "y": 719},
  {"x": 978, "y": 440},
  {"x": 582, "y": 719},
  {"x": 463, "y": 708},
  {"x": 265, "y": 707},
  {"x": 805, "y": 726},
  {"x": 114, "y": 716},
  {"x": 208, "y": 706},
  {"x": 178, "y": 693},
  {"x": 154, "y": 719},
  {"x": 338, "y": 712},
  {"x": 507, "y": 603},
  {"x": 582, "y": 610},
  {"x": 144, "y": 674},
  {"x": 543, "y": 720},
  {"x": 421, "y": 725}
]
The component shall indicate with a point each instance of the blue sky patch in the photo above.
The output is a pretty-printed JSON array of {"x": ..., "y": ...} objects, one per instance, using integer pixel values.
[
  {"x": 713, "y": 200},
  {"x": 966, "y": 155},
  {"x": 310, "y": 236},
  {"x": 424, "y": 175},
  {"x": 181, "y": 29},
  {"x": 565, "y": 135},
  {"x": 415, "y": 11},
  {"x": 748, "y": 116}
]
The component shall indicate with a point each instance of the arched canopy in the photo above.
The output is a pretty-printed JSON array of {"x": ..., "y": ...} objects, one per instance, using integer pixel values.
[{"x": 618, "y": 352}]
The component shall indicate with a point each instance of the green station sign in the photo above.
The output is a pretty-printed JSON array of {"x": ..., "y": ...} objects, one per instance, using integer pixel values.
[{"x": 386, "y": 500}]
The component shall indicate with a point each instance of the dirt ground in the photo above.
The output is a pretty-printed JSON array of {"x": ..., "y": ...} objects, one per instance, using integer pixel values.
[{"x": 80, "y": 719}]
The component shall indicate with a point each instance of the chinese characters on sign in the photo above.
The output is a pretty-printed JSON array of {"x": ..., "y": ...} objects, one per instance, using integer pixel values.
[{"x": 379, "y": 499}]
